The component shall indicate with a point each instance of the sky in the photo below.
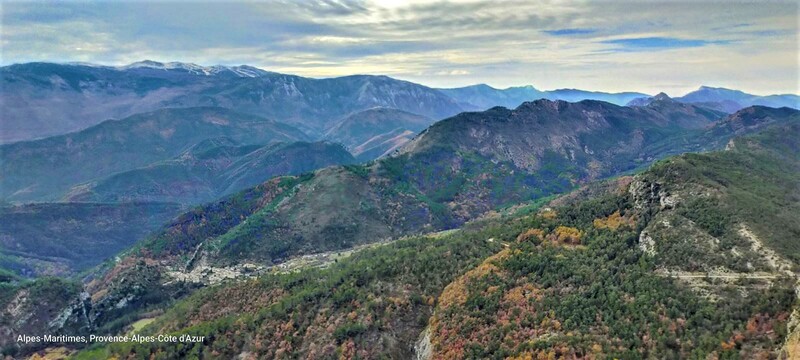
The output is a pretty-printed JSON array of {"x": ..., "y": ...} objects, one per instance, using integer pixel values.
[{"x": 601, "y": 45}]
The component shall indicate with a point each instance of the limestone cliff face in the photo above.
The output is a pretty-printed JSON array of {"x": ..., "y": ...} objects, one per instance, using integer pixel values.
[
  {"x": 45, "y": 307},
  {"x": 791, "y": 348}
]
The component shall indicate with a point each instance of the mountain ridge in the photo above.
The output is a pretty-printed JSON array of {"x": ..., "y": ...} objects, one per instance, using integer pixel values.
[
  {"x": 47, "y": 99},
  {"x": 205, "y": 174},
  {"x": 520, "y": 285},
  {"x": 422, "y": 190},
  {"x": 44, "y": 169},
  {"x": 729, "y": 100},
  {"x": 439, "y": 182},
  {"x": 372, "y": 133}
]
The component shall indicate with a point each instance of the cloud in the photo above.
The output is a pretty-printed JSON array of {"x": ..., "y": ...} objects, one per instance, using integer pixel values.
[
  {"x": 680, "y": 45},
  {"x": 455, "y": 72}
]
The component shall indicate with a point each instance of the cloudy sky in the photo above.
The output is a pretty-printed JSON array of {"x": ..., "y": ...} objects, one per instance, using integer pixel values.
[{"x": 610, "y": 46}]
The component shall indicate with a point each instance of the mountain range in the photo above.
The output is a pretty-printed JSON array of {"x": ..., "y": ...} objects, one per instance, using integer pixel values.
[
  {"x": 43, "y": 99},
  {"x": 46, "y": 169},
  {"x": 457, "y": 170},
  {"x": 728, "y": 100},
  {"x": 38, "y": 100},
  {"x": 681, "y": 236},
  {"x": 453, "y": 171},
  {"x": 363, "y": 216}
]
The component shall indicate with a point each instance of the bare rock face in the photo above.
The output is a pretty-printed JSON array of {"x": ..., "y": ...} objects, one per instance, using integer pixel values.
[
  {"x": 423, "y": 348},
  {"x": 644, "y": 193},
  {"x": 791, "y": 346},
  {"x": 647, "y": 244},
  {"x": 48, "y": 307},
  {"x": 667, "y": 201}
]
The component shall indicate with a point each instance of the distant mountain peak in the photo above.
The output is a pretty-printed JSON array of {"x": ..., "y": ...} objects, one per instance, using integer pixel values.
[
  {"x": 662, "y": 96},
  {"x": 158, "y": 65},
  {"x": 705, "y": 87},
  {"x": 555, "y": 105},
  {"x": 487, "y": 87},
  {"x": 645, "y": 101},
  {"x": 721, "y": 91},
  {"x": 147, "y": 62},
  {"x": 240, "y": 71}
]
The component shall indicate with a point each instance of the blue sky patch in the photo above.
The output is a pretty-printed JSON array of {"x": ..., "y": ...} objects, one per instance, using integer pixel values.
[
  {"x": 569, "y": 32},
  {"x": 658, "y": 43}
]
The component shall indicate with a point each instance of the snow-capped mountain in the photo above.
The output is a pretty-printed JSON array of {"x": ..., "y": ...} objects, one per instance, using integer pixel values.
[
  {"x": 241, "y": 70},
  {"x": 46, "y": 99}
]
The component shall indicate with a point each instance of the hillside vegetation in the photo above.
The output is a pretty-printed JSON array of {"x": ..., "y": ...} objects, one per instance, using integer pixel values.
[
  {"x": 588, "y": 276},
  {"x": 210, "y": 170},
  {"x": 66, "y": 238},
  {"x": 456, "y": 170},
  {"x": 44, "y": 170},
  {"x": 433, "y": 185},
  {"x": 589, "y": 279}
]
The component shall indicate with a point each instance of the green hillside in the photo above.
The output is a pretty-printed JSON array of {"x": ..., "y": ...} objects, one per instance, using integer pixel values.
[
  {"x": 447, "y": 176},
  {"x": 593, "y": 274},
  {"x": 434, "y": 185}
]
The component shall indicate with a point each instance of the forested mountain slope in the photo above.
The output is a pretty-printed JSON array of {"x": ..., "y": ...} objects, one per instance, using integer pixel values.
[
  {"x": 593, "y": 274},
  {"x": 372, "y": 133},
  {"x": 338, "y": 208},
  {"x": 210, "y": 170},
  {"x": 458, "y": 169},
  {"x": 61, "y": 239},
  {"x": 695, "y": 258},
  {"x": 43, "y": 170}
]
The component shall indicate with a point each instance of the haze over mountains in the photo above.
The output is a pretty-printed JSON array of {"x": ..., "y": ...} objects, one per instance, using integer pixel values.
[
  {"x": 191, "y": 155},
  {"x": 46, "y": 99},
  {"x": 728, "y": 100},
  {"x": 152, "y": 155},
  {"x": 209, "y": 170},
  {"x": 372, "y": 133},
  {"x": 45, "y": 169},
  {"x": 41, "y": 99},
  {"x": 61, "y": 239}
]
